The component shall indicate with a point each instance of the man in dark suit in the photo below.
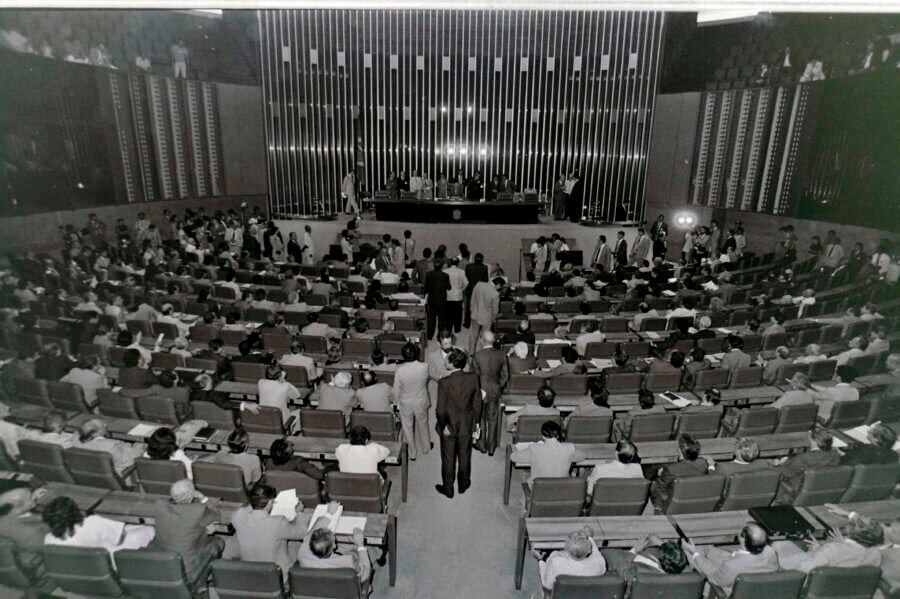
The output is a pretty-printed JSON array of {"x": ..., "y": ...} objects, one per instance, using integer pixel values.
[
  {"x": 475, "y": 271},
  {"x": 493, "y": 372},
  {"x": 659, "y": 228},
  {"x": 688, "y": 465},
  {"x": 793, "y": 470},
  {"x": 182, "y": 523},
  {"x": 437, "y": 284},
  {"x": 458, "y": 413},
  {"x": 621, "y": 249},
  {"x": 576, "y": 200}
]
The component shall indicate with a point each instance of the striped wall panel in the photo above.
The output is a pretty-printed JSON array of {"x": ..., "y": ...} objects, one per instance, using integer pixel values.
[{"x": 529, "y": 94}]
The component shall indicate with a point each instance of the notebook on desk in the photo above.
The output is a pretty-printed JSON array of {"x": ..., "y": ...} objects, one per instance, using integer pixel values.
[{"x": 782, "y": 521}]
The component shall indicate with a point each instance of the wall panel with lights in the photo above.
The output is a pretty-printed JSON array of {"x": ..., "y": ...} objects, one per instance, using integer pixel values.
[{"x": 529, "y": 94}]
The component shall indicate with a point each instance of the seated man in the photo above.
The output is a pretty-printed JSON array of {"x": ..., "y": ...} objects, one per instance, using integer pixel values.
[
  {"x": 857, "y": 546},
  {"x": 620, "y": 359},
  {"x": 826, "y": 397},
  {"x": 275, "y": 392},
  {"x": 745, "y": 453},
  {"x": 92, "y": 435},
  {"x": 236, "y": 455},
  {"x": 674, "y": 364},
  {"x": 589, "y": 334},
  {"x": 319, "y": 329},
  {"x": 623, "y": 422},
  {"x": 549, "y": 458},
  {"x": 651, "y": 555},
  {"x": 133, "y": 377},
  {"x": 19, "y": 525},
  {"x": 319, "y": 550},
  {"x": 857, "y": 347},
  {"x": 812, "y": 353},
  {"x": 360, "y": 455},
  {"x": 53, "y": 430},
  {"x": 545, "y": 397},
  {"x": 90, "y": 376},
  {"x": 373, "y": 396},
  {"x": 216, "y": 351},
  {"x": 770, "y": 368},
  {"x": 389, "y": 334},
  {"x": 734, "y": 354},
  {"x": 599, "y": 405},
  {"x": 580, "y": 557},
  {"x": 698, "y": 362},
  {"x": 799, "y": 393},
  {"x": 338, "y": 395},
  {"x": 626, "y": 465},
  {"x": 520, "y": 359},
  {"x": 687, "y": 465},
  {"x": 794, "y": 469},
  {"x": 722, "y": 567},
  {"x": 878, "y": 450},
  {"x": 570, "y": 365},
  {"x": 184, "y": 525},
  {"x": 262, "y": 537}
]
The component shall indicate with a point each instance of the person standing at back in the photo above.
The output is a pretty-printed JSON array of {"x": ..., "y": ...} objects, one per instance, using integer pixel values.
[
  {"x": 493, "y": 373},
  {"x": 411, "y": 396},
  {"x": 437, "y": 284},
  {"x": 458, "y": 414},
  {"x": 484, "y": 307}
]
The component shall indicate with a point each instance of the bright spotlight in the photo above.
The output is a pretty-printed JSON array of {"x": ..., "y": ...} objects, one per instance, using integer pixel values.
[
  {"x": 451, "y": 151},
  {"x": 685, "y": 220}
]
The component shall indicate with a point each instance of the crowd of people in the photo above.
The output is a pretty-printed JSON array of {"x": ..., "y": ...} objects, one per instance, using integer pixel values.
[{"x": 108, "y": 276}]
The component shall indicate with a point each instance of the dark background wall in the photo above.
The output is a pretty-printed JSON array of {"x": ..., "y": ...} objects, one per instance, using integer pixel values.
[
  {"x": 668, "y": 188},
  {"x": 243, "y": 142}
]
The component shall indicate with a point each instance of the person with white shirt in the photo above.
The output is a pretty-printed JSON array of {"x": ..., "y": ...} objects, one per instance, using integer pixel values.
[
  {"x": 806, "y": 299},
  {"x": 166, "y": 315},
  {"x": 580, "y": 557},
  {"x": 826, "y": 397},
  {"x": 548, "y": 458},
  {"x": 275, "y": 392},
  {"x": 90, "y": 376},
  {"x": 626, "y": 465},
  {"x": 455, "y": 294},
  {"x": 878, "y": 341},
  {"x": 589, "y": 334},
  {"x": 297, "y": 358},
  {"x": 360, "y": 456},
  {"x": 857, "y": 347},
  {"x": 69, "y": 526},
  {"x": 813, "y": 353}
]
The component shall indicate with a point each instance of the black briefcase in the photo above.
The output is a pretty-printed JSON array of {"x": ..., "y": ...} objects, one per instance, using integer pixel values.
[{"x": 782, "y": 521}]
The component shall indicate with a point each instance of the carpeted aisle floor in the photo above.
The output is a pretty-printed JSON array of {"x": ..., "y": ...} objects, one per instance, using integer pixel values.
[{"x": 460, "y": 547}]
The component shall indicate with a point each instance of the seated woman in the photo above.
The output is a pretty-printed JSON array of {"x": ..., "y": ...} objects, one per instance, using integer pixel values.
[{"x": 69, "y": 526}]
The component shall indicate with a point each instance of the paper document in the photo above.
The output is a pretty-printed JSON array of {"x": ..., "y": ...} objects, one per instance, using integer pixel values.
[
  {"x": 601, "y": 363},
  {"x": 861, "y": 434},
  {"x": 724, "y": 331},
  {"x": 837, "y": 443},
  {"x": 652, "y": 334},
  {"x": 285, "y": 504},
  {"x": 143, "y": 430},
  {"x": 668, "y": 293},
  {"x": 553, "y": 363},
  {"x": 321, "y": 511},
  {"x": 346, "y": 524},
  {"x": 675, "y": 399},
  {"x": 522, "y": 445}
]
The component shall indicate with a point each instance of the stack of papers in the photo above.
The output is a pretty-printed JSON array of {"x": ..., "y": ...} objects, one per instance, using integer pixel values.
[
  {"x": 285, "y": 504},
  {"x": 668, "y": 293},
  {"x": 553, "y": 363},
  {"x": 652, "y": 334},
  {"x": 724, "y": 331},
  {"x": 143, "y": 430},
  {"x": 339, "y": 523},
  {"x": 601, "y": 363},
  {"x": 678, "y": 400},
  {"x": 861, "y": 434}
]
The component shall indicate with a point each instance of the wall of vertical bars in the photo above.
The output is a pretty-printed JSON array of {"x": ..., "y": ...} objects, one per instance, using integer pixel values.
[
  {"x": 747, "y": 149},
  {"x": 529, "y": 94},
  {"x": 168, "y": 137}
]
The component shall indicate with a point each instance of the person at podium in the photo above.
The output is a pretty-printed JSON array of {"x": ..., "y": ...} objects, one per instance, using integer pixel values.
[{"x": 442, "y": 189}]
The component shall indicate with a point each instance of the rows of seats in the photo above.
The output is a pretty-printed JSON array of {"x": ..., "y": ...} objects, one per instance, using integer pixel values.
[{"x": 565, "y": 497}]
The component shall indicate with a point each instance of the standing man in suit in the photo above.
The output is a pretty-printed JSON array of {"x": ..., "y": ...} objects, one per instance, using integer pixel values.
[
  {"x": 493, "y": 373},
  {"x": 642, "y": 247},
  {"x": 485, "y": 306},
  {"x": 576, "y": 199},
  {"x": 475, "y": 271},
  {"x": 348, "y": 191},
  {"x": 603, "y": 255},
  {"x": 659, "y": 228},
  {"x": 411, "y": 396},
  {"x": 621, "y": 249},
  {"x": 458, "y": 414},
  {"x": 437, "y": 284}
]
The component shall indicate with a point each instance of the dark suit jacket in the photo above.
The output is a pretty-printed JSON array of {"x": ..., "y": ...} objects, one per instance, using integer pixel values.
[
  {"x": 437, "y": 284},
  {"x": 492, "y": 370},
  {"x": 223, "y": 363},
  {"x": 868, "y": 454},
  {"x": 519, "y": 365},
  {"x": 661, "y": 489},
  {"x": 621, "y": 250},
  {"x": 459, "y": 403},
  {"x": 475, "y": 273},
  {"x": 794, "y": 470},
  {"x": 345, "y": 319},
  {"x": 136, "y": 378},
  {"x": 182, "y": 528}
]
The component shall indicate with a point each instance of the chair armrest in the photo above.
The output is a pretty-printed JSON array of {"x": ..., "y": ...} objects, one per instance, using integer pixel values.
[
  {"x": 526, "y": 491},
  {"x": 385, "y": 492},
  {"x": 289, "y": 425}
]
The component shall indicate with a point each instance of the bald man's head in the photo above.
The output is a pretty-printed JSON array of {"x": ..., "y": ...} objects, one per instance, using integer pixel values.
[
  {"x": 754, "y": 538},
  {"x": 182, "y": 491},
  {"x": 16, "y": 502},
  {"x": 487, "y": 337}
]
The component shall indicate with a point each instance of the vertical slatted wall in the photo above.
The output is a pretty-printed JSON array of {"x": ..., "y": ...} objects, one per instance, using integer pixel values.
[
  {"x": 748, "y": 143},
  {"x": 530, "y": 94}
]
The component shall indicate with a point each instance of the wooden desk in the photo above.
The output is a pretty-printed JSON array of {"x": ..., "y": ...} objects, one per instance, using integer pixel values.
[
  {"x": 887, "y": 510},
  {"x": 712, "y": 527},
  {"x": 250, "y": 392},
  {"x": 749, "y": 396},
  {"x": 663, "y": 452},
  {"x": 85, "y": 497}
]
